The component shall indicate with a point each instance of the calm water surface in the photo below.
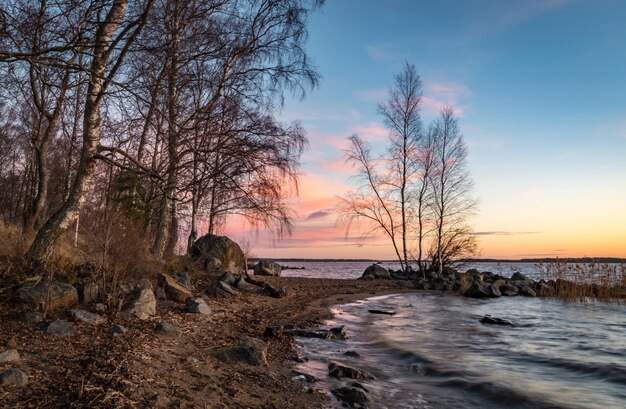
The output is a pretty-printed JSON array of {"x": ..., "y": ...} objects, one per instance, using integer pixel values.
[
  {"x": 352, "y": 269},
  {"x": 434, "y": 353}
]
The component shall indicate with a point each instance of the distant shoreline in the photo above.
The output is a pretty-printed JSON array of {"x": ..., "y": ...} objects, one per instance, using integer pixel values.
[{"x": 611, "y": 260}]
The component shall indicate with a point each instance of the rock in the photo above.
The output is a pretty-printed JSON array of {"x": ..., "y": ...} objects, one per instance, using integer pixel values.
[
  {"x": 353, "y": 354},
  {"x": 250, "y": 350},
  {"x": 267, "y": 268},
  {"x": 198, "y": 306},
  {"x": 488, "y": 319},
  {"x": 88, "y": 292},
  {"x": 304, "y": 376},
  {"x": 406, "y": 284},
  {"x": 184, "y": 278},
  {"x": 523, "y": 288},
  {"x": 31, "y": 317},
  {"x": 13, "y": 377},
  {"x": 86, "y": 317},
  {"x": 543, "y": 288},
  {"x": 439, "y": 284},
  {"x": 50, "y": 295},
  {"x": 159, "y": 293},
  {"x": 166, "y": 328},
  {"x": 142, "y": 302},
  {"x": 173, "y": 289},
  {"x": 508, "y": 289},
  {"x": 375, "y": 271},
  {"x": 214, "y": 250},
  {"x": 481, "y": 289},
  {"x": 118, "y": 330},
  {"x": 351, "y": 395},
  {"x": 338, "y": 370},
  {"x": 333, "y": 333},
  {"x": 229, "y": 278},
  {"x": 381, "y": 312},
  {"x": 221, "y": 290},
  {"x": 244, "y": 285},
  {"x": 521, "y": 277},
  {"x": 9, "y": 356},
  {"x": 60, "y": 328}
]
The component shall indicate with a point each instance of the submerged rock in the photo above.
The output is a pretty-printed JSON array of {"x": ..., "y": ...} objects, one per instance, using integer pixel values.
[
  {"x": 338, "y": 370},
  {"x": 351, "y": 395},
  {"x": 382, "y": 312},
  {"x": 488, "y": 319},
  {"x": 332, "y": 333}
]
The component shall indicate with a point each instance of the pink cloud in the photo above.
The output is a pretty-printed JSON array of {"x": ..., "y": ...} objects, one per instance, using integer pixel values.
[{"x": 372, "y": 131}]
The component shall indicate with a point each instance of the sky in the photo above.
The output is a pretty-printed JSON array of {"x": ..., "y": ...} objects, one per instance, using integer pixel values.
[{"x": 540, "y": 90}]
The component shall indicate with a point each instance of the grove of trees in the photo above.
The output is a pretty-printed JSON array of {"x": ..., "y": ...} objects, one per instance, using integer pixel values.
[
  {"x": 146, "y": 117},
  {"x": 418, "y": 193}
]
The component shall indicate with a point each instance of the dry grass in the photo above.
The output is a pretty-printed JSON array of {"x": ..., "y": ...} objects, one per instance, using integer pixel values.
[{"x": 586, "y": 282}]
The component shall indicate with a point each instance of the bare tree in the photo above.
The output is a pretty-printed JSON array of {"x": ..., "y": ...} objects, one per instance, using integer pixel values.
[
  {"x": 452, "y": 192},
  {"x": 417, "y": 194},
  {"x": 401, "y": 115},
  {"x": 370, "y": 204}
]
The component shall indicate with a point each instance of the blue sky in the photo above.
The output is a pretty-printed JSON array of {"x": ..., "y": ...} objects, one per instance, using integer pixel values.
[{"x": 540, "y": 87}]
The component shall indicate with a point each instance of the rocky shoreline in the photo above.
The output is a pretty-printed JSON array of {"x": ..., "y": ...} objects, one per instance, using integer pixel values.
[
  {"x": 176, "y": 357},
  {"x": 485, "y": 284},
  {"x": 213, "y": 336}
]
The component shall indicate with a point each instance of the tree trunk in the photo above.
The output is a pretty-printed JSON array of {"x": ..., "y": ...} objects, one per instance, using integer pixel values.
[{"x": 60, "y": 221}]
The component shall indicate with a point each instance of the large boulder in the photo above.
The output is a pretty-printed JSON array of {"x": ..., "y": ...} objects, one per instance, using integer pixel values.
[
  {"x": 219, "y": 254},
  {"x": 49, "y": 295},
  {"x": 375, "y": 271},
  {"x": 522, "y": 277},
  {"x": 480, "y": 289},
  {"x": 267, "y": 268}
]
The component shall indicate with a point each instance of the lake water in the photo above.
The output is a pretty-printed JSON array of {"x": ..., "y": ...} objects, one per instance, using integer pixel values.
[
  {"x": 434, "y": 353},
  {"x": 354, "y": 269}
]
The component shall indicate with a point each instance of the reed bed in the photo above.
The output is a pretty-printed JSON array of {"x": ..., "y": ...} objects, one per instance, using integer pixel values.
[{"x": 585, "y": 282}]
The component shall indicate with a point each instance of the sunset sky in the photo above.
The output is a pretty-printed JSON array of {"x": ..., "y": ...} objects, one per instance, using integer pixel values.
[{"x": 540, "y": 87}]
